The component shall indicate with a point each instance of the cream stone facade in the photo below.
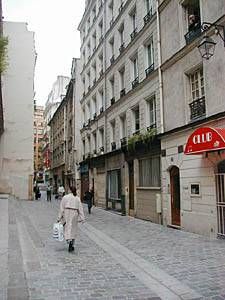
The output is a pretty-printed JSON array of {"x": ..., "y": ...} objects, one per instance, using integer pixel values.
[
  {"x": 16, "y": 143},
  {"x": 121, "y": 100},
  {"x": 193, "y": 98}
]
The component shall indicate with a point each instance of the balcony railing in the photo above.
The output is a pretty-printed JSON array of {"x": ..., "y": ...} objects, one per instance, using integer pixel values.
[
  {"x": 112, "y": 59},
  {"x": 121, "y": 7},
  {"x": 94, "y": 116},
  {"x": 122, "y": 93},
  {"x": 112, "y": 101},
  {"x": 148, "y": 17},
  {"x": 121, "y": 48},
  {"x": 152, "y": 126},
  {"x": 123, "y": 142},
  {"x": 192, "y": 35},
  {"x": 101, "y": 110},
  {"x": 113, "y": 145},
  {"x": 135, "y": 82},
  {"x": 149, "y": 70},
  {"x": 197, "y": 109},
  {"x": 111, "y": 22},
  {"x": 133, "y": 34},
  {"x": 101, "y": 149}
]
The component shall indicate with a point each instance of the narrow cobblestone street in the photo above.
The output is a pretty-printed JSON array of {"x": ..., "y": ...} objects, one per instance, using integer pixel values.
[{"x": 115, "y": 258}]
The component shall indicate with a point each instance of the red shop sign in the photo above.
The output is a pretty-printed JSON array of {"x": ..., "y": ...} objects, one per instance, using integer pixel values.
[{"x": 205, "y": 139}]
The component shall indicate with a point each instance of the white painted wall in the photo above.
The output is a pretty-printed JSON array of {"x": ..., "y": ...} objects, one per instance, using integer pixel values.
[{"x": 16, "y": 144}]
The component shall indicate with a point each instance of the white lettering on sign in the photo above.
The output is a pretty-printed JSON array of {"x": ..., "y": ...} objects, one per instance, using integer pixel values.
[{"x": 202, "y": 138}]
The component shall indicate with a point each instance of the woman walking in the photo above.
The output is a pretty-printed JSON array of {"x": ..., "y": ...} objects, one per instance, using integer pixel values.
[{"x": 70, "y": 213}]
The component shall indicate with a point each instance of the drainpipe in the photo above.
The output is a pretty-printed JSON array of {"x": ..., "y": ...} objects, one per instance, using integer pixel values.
[{"x": 160, "y": 71}]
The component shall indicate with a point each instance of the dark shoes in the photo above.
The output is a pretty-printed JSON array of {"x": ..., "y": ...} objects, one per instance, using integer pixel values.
[{"x": 71, "y": 247}]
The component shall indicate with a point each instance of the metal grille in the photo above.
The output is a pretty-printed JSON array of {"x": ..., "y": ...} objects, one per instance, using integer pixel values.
[{"x": 220, "y": 199}]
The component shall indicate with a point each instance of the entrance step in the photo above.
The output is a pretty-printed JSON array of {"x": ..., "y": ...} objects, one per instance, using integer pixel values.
[{"x": 174, "y": 226}]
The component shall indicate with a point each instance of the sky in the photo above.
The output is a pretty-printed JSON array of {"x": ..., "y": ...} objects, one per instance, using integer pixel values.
[{"x": 57, "y": 40}]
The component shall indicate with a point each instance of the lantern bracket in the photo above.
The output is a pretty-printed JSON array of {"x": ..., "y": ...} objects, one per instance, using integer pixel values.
[{"x": 218, "y": 28}]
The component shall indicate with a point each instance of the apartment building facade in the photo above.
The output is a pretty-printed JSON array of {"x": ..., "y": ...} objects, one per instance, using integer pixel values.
[
  {"x": 192, "y": 143},
  {"x": 38, "y": 140},
  {"x": 55, "y": 97},
  {"x": 64, "y": 139},
  {"x": 121, "y": 106}
]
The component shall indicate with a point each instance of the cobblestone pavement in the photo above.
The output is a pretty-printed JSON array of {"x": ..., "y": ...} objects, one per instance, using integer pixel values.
[{"x": 115, "y": 258}]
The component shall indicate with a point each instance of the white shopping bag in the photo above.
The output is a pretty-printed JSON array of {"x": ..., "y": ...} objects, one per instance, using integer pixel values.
[{"x": 58, "y": 232}]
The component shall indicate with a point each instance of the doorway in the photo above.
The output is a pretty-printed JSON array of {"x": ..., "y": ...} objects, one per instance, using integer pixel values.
[
  {"x": 131, "y": 188},
  {"x": 175, "y": 195},
  {"x": 220, "y": 198}
]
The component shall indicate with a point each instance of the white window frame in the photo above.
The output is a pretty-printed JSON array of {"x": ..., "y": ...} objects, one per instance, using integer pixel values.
[
  {"x": 197, "y": 85},
  {"x": 150, "y": 52},
  {"x": 151, "y": 112},
  {"x": 123, "y": 126}
]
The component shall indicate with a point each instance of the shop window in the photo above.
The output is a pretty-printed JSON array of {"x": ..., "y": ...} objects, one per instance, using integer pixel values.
[{"x": 149, "y": 172}]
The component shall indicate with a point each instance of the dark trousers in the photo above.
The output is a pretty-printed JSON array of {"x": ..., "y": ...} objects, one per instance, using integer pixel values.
[
  {"x": 49, "y": 196},
  {"x": 89, "y": 209}
]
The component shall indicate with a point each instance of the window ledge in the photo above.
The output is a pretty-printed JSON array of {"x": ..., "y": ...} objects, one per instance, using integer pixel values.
[{"x": 148, "y": 188}]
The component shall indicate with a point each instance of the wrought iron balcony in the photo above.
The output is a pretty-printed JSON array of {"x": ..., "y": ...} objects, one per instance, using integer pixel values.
[
  {"x": 123, "y": 142},
  {"x": 84, "y": 125},
  {"x": 121, "y": 7},
  {"x": 148, "y": 17},
  {"x": 122, "y": 93},
  {"x": 111, "y": 22},
  {"x": 121, "y": 48},
  {"x": 89, "y": 121},
  {"x": 84, "y": 94},
  {"x": 149, "y": 70},
  {"x": 197, "y": 109},
  {"x": 101, "y": 149},
  {"x": 112, "y": 59},
  {"x": 192, "y": 35},
  {"x": 100, "y": 39},
  {"x": 152, "y": 126},
  {"x": 94, "y": 151},
  {"x": 94, "y": 116},
  {"x": 135, "y": 82},
  {"x": 112, "y": 101},
  {"x": 113, "y": 145},
  {"x": 133, "y": 34},
  {"x": 101, "y": 110}
]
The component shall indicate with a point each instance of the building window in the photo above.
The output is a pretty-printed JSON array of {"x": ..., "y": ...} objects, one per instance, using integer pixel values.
[
  {"x": 83, "y": 147},
  {"x": 112, "y": 87},
  {"x": 149, "y": 172},
  {"x": 111, "y": 8},
  {"x": 94, "y": 72},
  {"x": 123, "y": 127},
  {"x": 94, "y": 142},
  {"x": 94, "y": 41},
  {"x": 89, "y": 110},
  {"x": 136, "y": 118},
  {"x": 197, "y": 85},
  {"x": 100, "y": 25},
  {"x": 135, "y": 68},
  {"x": 101, "y": 138},
  {"x": 113, "y": 131},
  {"x": 151, "y": 112},
  {"x": 133, "y": 16},
  {"x": 101, "y": 99},
  {"x": 150, "y": 53},
  {"x": 148, "y": 4},
  {"x": 197, "y": 90},
  {"x": 94, "y": 106},
  {"x": 192, "y": 20},
  {"x": 122, "y": 78},
  {"x": 111, "y": 45},
  {"x": 121, "y": 33},
  {"x": 114, "y": 184}
]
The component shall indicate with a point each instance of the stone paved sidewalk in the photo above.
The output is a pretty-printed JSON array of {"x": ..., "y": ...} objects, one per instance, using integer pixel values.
[{"x": 115, "y": 258}]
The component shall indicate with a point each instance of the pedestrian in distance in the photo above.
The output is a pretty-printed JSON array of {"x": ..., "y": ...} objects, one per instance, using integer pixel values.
[
  {"x": 37, "y": 192},
  {"x": 88, "y": 198},
  {"x": 49, "y": 193},
  {"x": 70, "y": 213},
  {"x": 61, "y": 191}
]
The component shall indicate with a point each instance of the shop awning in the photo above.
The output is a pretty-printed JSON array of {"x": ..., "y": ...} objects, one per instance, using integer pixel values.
[{"x": 205, "y": 139}]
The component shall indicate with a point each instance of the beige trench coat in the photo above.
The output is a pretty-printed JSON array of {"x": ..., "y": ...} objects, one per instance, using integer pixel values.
[{"x": 71, "y": 212}]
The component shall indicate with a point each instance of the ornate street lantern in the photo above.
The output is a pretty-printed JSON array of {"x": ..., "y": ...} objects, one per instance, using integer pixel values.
[{"x": 207, "y": 47}]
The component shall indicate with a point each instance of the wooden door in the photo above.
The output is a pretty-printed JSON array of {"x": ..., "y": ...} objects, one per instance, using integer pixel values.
[
  {"x": 175, "y": 195},
  {"x": 131, "y": 187}
]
